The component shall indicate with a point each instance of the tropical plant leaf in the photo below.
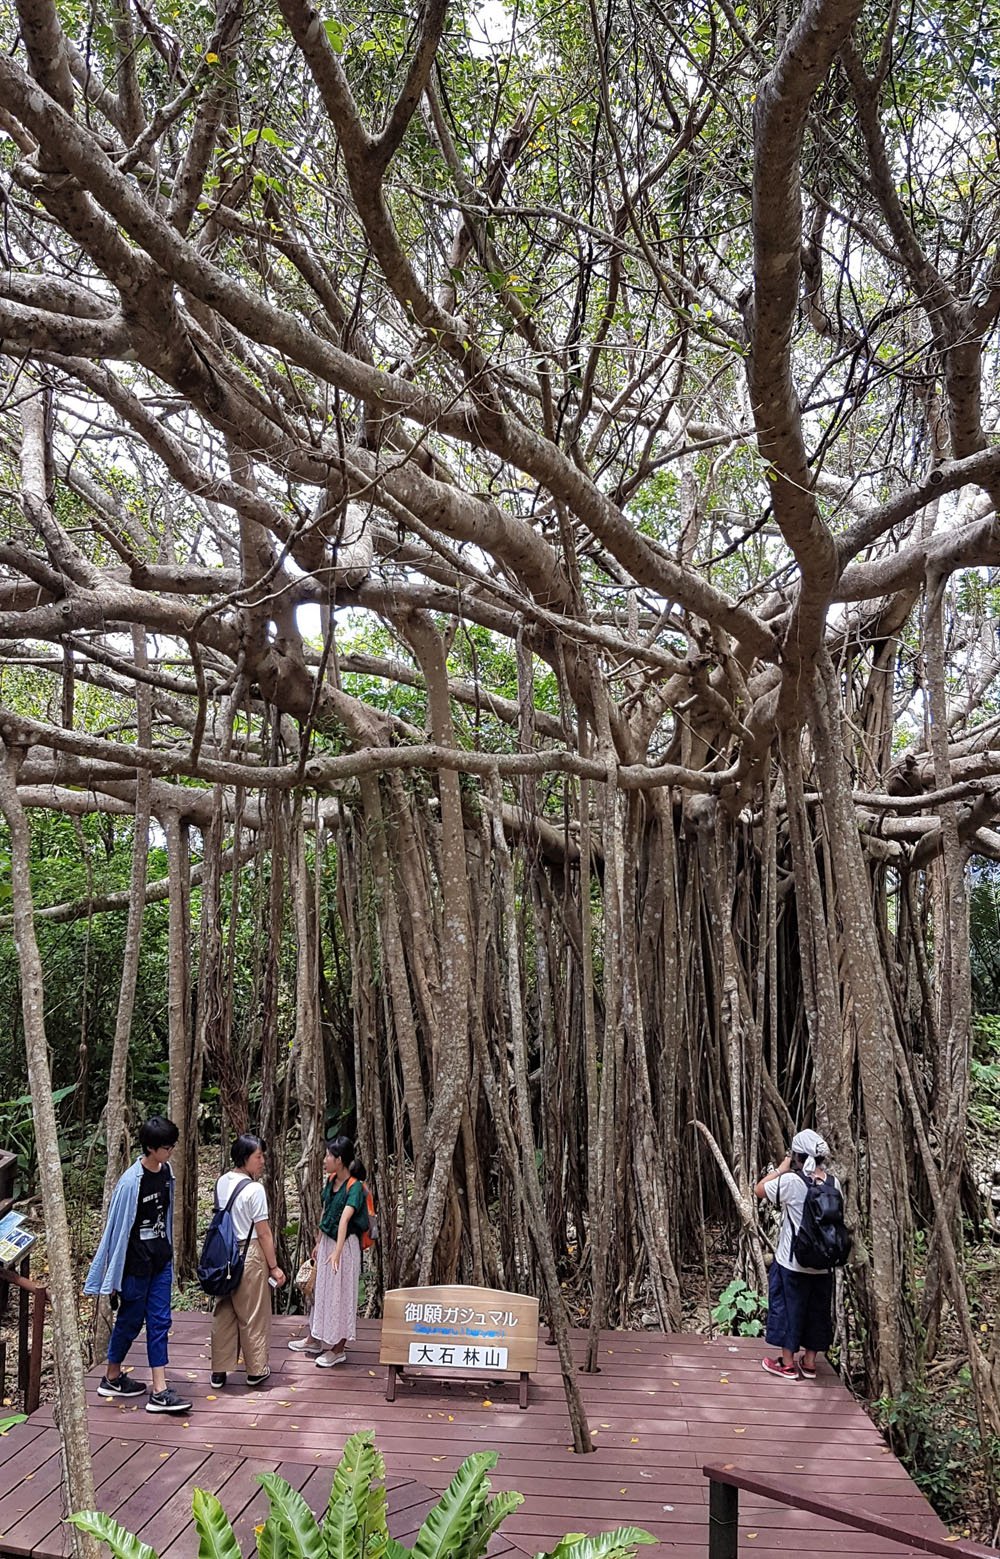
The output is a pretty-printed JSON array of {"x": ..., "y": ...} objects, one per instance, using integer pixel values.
[
  {"x": 376, "y": 1535},
  {"x": 354, "y": 1514},
  {"x": 9, "y": 1423},
  {"x": 294, "y": 1520},
  {"x": 497, "y": 1510},
  {"x": 271, "y": 1543},
  {"x": 216, "y": 1538},
  {"x": 619, "y": 1544},
  {"x": 123, "y": 1543},
  {"x": 458, "y": 1511}
]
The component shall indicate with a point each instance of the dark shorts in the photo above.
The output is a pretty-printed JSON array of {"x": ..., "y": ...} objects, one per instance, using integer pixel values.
[{"x": 799, "y": 1309}]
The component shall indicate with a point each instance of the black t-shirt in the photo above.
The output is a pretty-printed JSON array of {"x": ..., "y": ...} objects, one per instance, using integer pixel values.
[{"x": 148, "y": 1246}]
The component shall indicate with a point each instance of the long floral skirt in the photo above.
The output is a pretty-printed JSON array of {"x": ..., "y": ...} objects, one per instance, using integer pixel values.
[{"x": 335, "y": 1302}]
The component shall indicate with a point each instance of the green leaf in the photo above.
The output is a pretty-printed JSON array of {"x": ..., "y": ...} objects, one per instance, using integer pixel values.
[
  {"x": 336, "y": 34},
  {"x": 295, "y": 1521},
  {"x": 355, "y": 1520},
  {"x": 215, "y": 1530},
  {"x": 620, "y": 1544},
  {"x": 458, "y": 1511},
  {"x": 497, "y": 1510},
  {"x": 15, "y": 1418},
  {"x": 123, "y": 1543},
  {"x": 271, "y": 1543}
]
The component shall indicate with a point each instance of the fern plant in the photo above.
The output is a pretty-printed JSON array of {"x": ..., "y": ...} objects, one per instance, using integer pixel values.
[{"x": 354, "y": 1524}]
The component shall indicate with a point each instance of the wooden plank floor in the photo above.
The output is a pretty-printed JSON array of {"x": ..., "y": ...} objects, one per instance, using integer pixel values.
[{"x": 660, "y": 1407}]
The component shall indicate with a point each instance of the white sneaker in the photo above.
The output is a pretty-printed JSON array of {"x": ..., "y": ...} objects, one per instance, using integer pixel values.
[
  {"x": 327, "y": 1360},
  {"x": 306, "y": 1345}
]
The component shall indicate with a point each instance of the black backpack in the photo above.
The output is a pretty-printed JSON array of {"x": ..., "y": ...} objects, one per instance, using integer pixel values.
[
  {"x": 221, "y": 1266},
  {"x": 823, "y": 1239}
]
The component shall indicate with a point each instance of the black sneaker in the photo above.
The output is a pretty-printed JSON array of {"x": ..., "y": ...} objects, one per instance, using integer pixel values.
[
  {"x": 258, "y": 1380},
  {"x": 167, "y": 1402},
  {"x": 219, "y": 1379},
  {"x": 121, "y": 1386}
]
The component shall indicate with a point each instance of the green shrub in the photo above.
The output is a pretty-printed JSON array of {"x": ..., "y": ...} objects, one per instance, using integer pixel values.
[
  {"x": 741, "y": 1311},
  {"x": 354, "y": 1525}
]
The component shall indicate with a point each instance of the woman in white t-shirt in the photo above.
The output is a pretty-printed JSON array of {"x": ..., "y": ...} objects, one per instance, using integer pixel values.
[
  {"x": 799, "y": 1299},
  {"x": 242, "y": 1320}
]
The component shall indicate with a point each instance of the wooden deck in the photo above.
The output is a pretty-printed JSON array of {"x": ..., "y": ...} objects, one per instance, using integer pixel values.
[{"x": 660, "y": 1407}]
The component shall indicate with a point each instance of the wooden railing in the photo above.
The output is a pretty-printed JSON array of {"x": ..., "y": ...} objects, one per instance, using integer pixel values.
[
  {"x": 30, "y": 1334},
  {"x": 726, "y": 1480}
]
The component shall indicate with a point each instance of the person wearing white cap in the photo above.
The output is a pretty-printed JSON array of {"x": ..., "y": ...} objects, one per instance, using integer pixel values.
[{"x": 800, "y": 1298}]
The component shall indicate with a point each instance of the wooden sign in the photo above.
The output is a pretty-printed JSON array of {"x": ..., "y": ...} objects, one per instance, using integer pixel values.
[{"x": 459, "y": 1331}]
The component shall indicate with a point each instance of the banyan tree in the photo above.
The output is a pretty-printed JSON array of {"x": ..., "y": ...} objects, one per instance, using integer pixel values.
[{"x": 506, "y": 500}]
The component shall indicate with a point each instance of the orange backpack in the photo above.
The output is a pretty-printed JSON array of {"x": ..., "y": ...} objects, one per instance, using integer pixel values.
[{"x": 369, "y": 1235}]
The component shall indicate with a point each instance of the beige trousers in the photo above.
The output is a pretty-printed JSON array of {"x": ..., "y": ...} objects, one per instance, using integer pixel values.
[{"x": 242, "y": 1320}]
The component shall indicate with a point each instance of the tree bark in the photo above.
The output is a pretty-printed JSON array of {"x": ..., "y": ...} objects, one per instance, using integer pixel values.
[{"x": 71, "y": 1398}]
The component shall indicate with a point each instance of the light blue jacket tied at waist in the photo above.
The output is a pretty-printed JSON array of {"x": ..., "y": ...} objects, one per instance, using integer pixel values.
[{"x": 108, "y": 1266}]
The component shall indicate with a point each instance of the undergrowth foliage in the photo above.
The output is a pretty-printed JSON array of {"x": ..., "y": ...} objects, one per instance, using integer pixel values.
[{"x": 354, "y": 1525}]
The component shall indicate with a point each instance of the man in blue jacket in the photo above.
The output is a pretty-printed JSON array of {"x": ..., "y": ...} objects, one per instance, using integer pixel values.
[{"x": 135, "y": 1262}]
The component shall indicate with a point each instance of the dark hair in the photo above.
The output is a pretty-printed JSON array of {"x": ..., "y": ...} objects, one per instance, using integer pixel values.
[
  {"x": 244, "y": 1146},
  {"x": 800, "y": 1158},
  {"x": 343, "y": 1148},
  {"x": 157, "y": 1132}
]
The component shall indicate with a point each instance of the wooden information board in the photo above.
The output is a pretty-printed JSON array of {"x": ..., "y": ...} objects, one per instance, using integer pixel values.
[{"x": 454, "y": 1330}]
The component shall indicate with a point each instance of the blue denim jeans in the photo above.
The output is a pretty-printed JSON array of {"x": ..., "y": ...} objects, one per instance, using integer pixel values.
[{"x": 144, "y": 1300}]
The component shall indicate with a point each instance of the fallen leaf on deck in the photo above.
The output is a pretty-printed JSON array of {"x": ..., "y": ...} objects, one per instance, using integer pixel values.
[
  {"x": 740, "y": 1431},
  {"x": 635, "y": 1440},
  {"x": 487, "y": 1402}
]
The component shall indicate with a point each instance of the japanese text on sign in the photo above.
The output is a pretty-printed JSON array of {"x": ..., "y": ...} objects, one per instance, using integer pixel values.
[
  {"x": 456, "y": 1315},
  {"x": 460, "y": 1356}
]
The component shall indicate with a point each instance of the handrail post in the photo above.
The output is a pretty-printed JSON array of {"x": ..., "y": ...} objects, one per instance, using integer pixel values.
[
  {"x": 23, "y": 1331},
  {"x": 33, "y": 1301},
  {"x": 33, "y": 1394},
  {"x": 723, "y": 1520}
]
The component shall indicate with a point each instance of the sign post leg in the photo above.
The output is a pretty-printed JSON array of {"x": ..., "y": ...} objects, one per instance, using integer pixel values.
[{"x": 390, "y": 1383}]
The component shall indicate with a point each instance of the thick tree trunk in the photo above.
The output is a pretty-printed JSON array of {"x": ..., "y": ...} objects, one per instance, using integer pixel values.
[
  {"x": 433, "y": 1210},
  {"x": 307, "y": 1050},
  {"x": 71, "y": 1397},
  {"x": 184, "y": 1061}
]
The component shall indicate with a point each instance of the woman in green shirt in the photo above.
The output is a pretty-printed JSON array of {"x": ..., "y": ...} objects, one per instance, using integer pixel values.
[{"x": 333, "y": 1323}]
